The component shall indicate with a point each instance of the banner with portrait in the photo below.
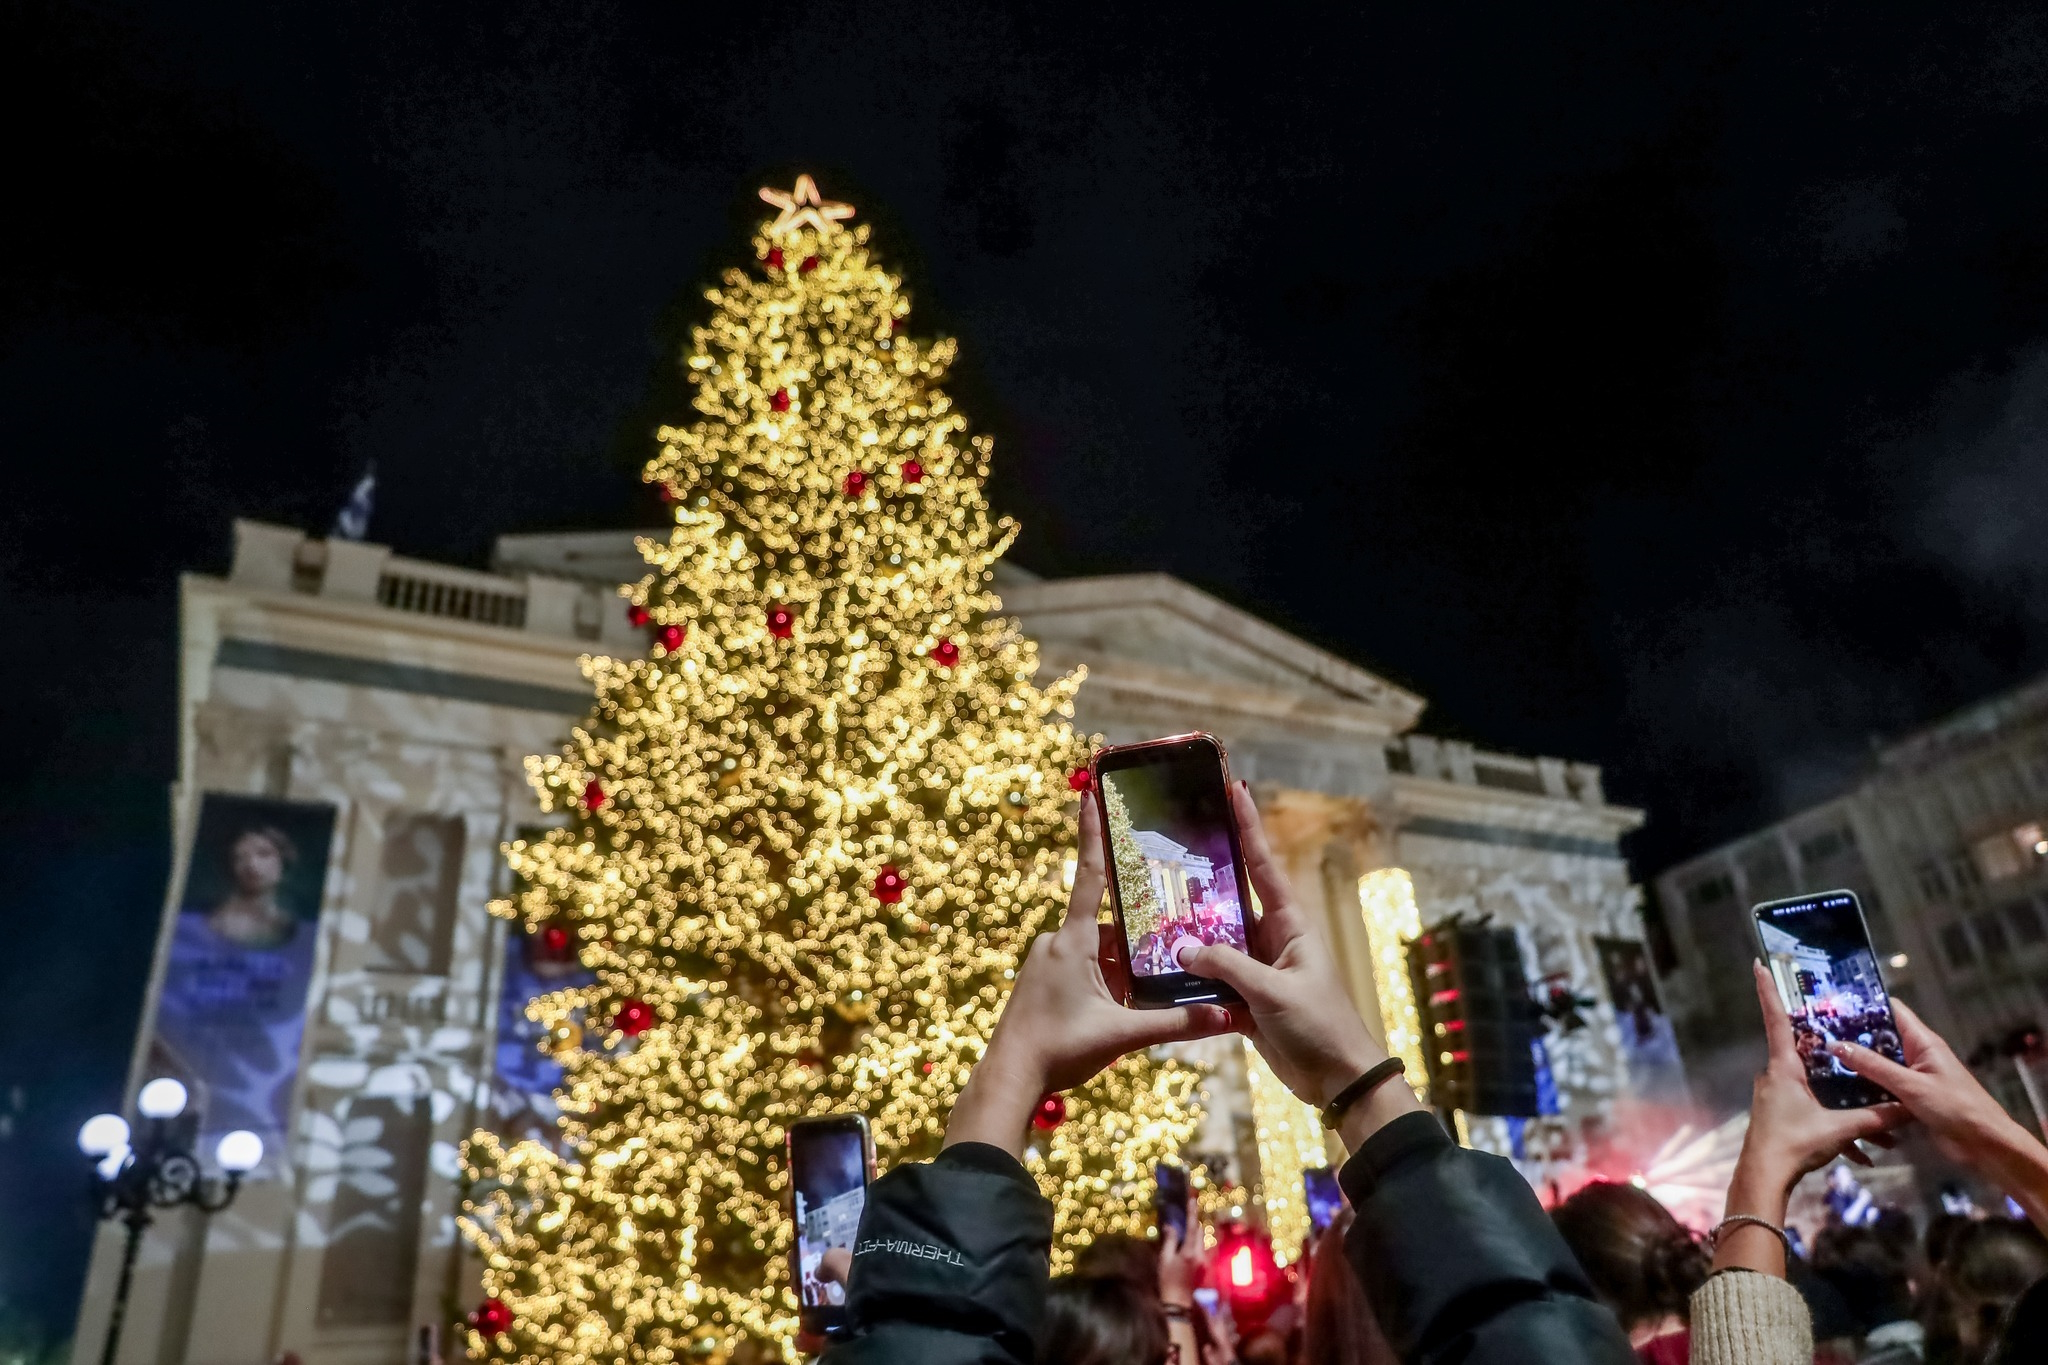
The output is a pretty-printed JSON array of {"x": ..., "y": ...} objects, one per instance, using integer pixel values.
[
  {"x": 1648, "y": 1041},
  {"x": 231, "y": 1014}
]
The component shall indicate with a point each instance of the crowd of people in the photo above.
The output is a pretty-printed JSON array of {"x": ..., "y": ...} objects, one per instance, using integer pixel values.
[
  {"x": 1441, "y": 1254},
  {"x": 1816, "y": 1031}
]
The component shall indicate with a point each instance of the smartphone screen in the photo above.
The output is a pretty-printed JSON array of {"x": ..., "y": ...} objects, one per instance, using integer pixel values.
[
  {"x": 1170, "y": 1198},
  {"x": 828, "y": 1174},
  {"x": 1818, "y": 951},
  {"x": 1319, "y": 1185},
  {"x": 1177, "y": 875}
]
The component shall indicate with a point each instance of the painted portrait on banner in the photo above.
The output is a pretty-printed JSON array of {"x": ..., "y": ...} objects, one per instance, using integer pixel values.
[
  {"x": 232, "y": 1012},
  {"x": 1648, "y": 1041}
]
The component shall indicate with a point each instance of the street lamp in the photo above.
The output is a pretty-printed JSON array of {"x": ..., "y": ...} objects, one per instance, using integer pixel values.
[{"x": 136, "y": 1172}]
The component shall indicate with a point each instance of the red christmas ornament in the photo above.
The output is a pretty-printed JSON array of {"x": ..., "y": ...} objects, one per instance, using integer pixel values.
[
  {"x": 636, "y": 615},
  {"x": 810, "y": 264},
  {"x": 1050, "y": 1114},
  {"x": 895, "y": 325},
  {"x": 593, "y": 794},
  {"x": 667, "y": 491},
  {"x": 889, "y": 885},
  {"x": 774, "y": 258},
  {"x": 1080, "y": 780},
  {"x": 945, "y": 653},
  {"x": 927, "y": 1068},
  {"x": 492, "y": 1317},
  {"x": 634, "y": 1018},
  {"x": 554, "y": 940},
  {"x": 781, "y": 622},
  {"x": 856, "y": 482},
  {"x": 671, "y": 637},
  {"x": 780, "y": 402},
  {"x": 913, "y": 472}
]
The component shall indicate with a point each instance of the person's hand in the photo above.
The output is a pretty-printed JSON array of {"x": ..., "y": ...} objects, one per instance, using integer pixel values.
[
  {"x": 835, "y": 1265},
  {"x": 1966, "y": 1125},
  {"x": 1061, "y": 1025},
  {"x": 1302, "y": 1019},
  {"x": 1790, "y": 1132},
  {"x": 1181, "y": 1259}
]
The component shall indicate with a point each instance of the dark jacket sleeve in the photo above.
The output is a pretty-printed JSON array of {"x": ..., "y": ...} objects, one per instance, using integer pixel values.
[
  {"x": 1460, "y": 1260},
  {"x": 950, "y": 1265}
]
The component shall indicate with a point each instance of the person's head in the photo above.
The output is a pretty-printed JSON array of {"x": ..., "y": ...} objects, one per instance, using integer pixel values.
[
  {"x": 1942, "y": 1230},
  {"x": 1263, "y": 1348},
  {"x": 1100, "y": 1321},
  {"x": 1340, "y": 1328},
  {"x": 1989, "y": 1265},
  {"x": 2023, "y": 1336},
  {"x": 258, "y": 859},
  {"x": 1869, "y": 1271},
  {"x": 1119, "y": 1256},
  {"x": 1641, "y": 1261}
]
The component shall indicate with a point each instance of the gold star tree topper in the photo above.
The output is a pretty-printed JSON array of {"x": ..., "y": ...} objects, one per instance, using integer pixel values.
[{"x": 801, "y": 207}]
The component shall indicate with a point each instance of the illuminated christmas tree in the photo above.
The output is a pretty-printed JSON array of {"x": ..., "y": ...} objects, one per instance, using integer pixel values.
[
  {"x": 1140, "y": 899},
  {"x": 810, "y": 837}
]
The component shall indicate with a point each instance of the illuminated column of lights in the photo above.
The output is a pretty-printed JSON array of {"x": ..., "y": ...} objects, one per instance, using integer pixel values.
[
  {"x": 1386, "y": 899},
  {"x": 1290, "y": 1141}
]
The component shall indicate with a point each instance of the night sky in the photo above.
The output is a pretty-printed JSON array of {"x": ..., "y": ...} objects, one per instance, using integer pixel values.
[{"x": 1662, "y": 386}]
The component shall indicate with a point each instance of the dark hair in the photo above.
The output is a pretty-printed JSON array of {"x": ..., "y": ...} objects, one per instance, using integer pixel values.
[
  {"x": 1641, "y": 1261},
  {"x": 1120, "y": 1256},
  {"x": 1340, "y": 1327},
  {"x": 1989, "y": 1265},
  {"x": 1100, "y": 1321},
  {"x": 1868, "y": 1269},
  {"x": 2023, "y": 1337},
  {"x": 1941, "y": 1235},
  {"x": 287, "y": 851}
]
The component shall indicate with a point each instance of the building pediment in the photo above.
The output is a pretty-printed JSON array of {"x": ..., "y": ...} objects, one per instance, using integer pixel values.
[{"x": 1157, "y": 627}]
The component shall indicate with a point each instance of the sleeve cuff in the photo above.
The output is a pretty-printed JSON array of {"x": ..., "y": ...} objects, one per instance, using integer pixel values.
[
  {"x": 1392, "y": 1147},
  {"x": 987, "y": 1158}
]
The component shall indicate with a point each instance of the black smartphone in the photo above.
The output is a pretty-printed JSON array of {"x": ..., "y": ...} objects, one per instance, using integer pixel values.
[
  {"x": 1176, "y": 869},
  {"x": 1818, "y": 951},
  {"x": 1170, "y": 1198},
  {"x": 1319, "y": 1187},
  {"x": 830, "y": 1162}
]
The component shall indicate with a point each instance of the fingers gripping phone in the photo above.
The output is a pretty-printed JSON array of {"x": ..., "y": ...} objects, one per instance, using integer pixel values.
[
  {"x": 831, "y": 1160},
  {"x": 1170, "y": 1199},
  {"x": 1818, "y": 951},
  {"x": 1176, "y": 868}
]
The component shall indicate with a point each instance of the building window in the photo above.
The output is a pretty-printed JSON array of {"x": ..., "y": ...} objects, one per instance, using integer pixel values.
[
  {"x": 1826, "y": 845},
  {"x": 1712, "y": 891},
  {"x": 1962, "y": 870},
  {"x": 1932, "y": 884},
  {"x": 2025, "y": 919},
  {"x": 1996, "y": 858},
  {"x": 1956, "y": 946},
  {"x": 1991, "y": 935}
]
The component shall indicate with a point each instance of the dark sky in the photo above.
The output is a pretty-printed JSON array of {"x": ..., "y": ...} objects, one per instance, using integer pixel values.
[{"x": 1658, "y": 385}]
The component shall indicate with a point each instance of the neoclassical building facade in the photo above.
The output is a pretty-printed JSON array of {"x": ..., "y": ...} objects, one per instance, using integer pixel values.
[{"x": 396, "y": 699}]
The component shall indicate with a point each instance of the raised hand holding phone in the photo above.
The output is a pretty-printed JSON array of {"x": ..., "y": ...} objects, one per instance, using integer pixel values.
[
  {"x": 1301, "y": 1017},
  {"x": 1061, "y": 1023}
]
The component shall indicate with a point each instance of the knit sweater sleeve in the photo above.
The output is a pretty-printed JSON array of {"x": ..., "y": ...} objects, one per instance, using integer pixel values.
[{"x": 1743, "y": 1317}]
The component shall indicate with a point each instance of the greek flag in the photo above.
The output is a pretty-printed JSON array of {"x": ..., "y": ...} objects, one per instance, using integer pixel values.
[{"x": 352, "y": 522}]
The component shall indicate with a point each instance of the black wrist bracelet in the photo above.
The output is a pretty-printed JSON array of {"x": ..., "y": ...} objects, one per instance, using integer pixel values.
[{"x": 1333, "y": 1112}]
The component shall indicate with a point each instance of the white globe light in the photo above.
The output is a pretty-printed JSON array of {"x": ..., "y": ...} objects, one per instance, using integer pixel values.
[
  {"x": 162, "y": 1098},
  {"x": 102, "y": 1133},
  {"x": 239, "y": 1152},
  {"x": 111, "y": 1164}
]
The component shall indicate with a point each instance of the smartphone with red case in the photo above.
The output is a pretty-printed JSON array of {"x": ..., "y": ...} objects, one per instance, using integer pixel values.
[{"x": 1176, "y": 866}]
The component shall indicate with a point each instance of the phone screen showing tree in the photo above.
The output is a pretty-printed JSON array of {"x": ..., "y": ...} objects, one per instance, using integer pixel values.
[
  {"x": 1818, "y": 951},
  {"x": 1175, "y": 861}
]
